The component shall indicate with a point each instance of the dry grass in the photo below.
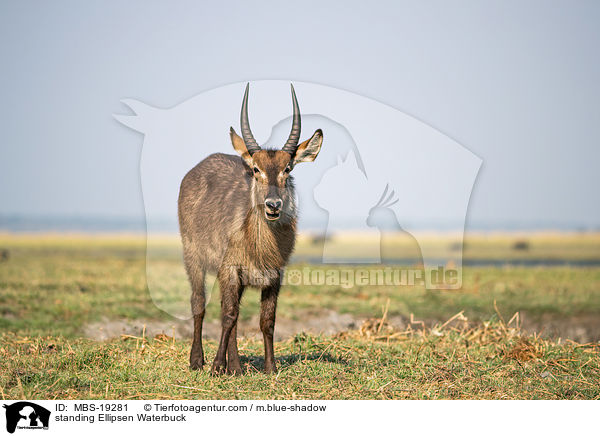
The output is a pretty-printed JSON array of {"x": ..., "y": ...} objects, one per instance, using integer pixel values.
[{"x": 492, "y": 360}]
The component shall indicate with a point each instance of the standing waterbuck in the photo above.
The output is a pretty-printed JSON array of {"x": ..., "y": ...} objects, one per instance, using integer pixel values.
[{"x": 237, "y": 217}]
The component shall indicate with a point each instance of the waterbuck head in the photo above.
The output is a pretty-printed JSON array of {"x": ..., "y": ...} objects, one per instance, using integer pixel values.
[{"x": 271, "y": 186}]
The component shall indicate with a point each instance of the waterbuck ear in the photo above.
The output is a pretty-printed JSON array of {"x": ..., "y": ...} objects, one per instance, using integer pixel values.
[
  {"x": 240, "y": 146},
  {"x": 309, "y": 149}
]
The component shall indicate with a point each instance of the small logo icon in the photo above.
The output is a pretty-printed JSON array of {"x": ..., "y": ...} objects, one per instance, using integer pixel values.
[{"x": 26, "y": 415}]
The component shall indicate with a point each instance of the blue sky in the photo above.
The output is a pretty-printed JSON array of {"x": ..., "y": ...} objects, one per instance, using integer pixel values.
[{"x": 514, "y": 82}]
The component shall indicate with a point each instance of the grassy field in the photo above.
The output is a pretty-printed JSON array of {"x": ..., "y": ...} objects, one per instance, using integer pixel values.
[
  {"x": 491, "y": 362},
  {"x": 52, "y": 287}
]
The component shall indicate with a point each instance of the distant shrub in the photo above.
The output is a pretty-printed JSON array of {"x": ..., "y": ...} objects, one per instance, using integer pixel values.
[{"x": 521, "y": 245}]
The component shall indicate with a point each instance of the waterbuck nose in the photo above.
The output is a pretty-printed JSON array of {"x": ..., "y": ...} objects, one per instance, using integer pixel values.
[{"x": 273, "y": 203}]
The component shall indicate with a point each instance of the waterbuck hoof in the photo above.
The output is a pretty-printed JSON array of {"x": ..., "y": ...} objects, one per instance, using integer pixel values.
[
  {"x": 196, "y": 360},
  {"x": 234, "y": 369},
  {"x": 196, "y": 364},
  {"x": 218, "y": 368}
]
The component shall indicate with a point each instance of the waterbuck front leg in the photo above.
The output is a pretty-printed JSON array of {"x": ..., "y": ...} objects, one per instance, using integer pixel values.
[
  {"x": 234, "y": 366},
  {"x": 233, "y": 358},
  {"x": 268, "y": 306},
  {"x": 231, "y": 289}
]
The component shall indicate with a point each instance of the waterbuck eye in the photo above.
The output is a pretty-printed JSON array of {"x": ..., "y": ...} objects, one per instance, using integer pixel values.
[{"x": 287, "y": 170}]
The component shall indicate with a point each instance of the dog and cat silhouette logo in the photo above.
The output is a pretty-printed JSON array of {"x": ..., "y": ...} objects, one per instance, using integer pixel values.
[{"x": 26, "y": 415}]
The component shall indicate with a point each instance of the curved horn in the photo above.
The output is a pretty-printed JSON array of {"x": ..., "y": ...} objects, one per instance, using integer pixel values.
[
  {"x": 292, "y": 143},
  {"x": 251, "y": 144}
]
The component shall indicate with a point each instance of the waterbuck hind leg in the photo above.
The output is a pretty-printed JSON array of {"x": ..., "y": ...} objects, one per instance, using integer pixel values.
[
  {"x": 268, "y": 306},
  {"x": 197, "y": 353},
  {"x": 230, "y": 306},
  {"x": 198, "y": 302}
]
